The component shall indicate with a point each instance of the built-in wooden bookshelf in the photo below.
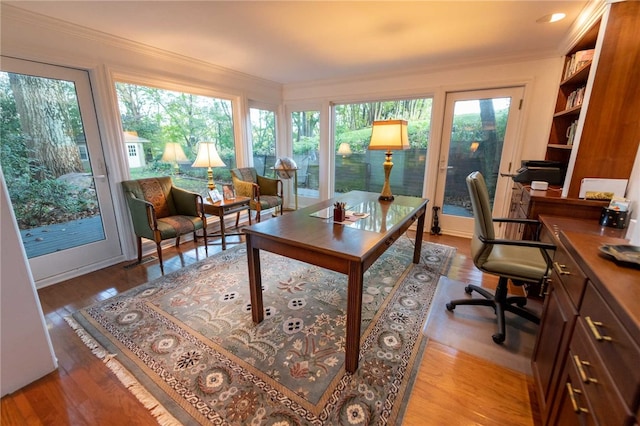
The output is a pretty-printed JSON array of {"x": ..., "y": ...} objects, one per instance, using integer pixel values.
[
  {"x": 606, "y": 119},
  {"x": 566, "y": 116}
]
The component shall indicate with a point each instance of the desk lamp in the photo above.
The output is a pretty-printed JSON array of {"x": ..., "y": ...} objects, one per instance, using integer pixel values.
[
  {"x": 344, "y": 149},
  {"x": 388, "y": 135},
  {"x": 208, "y": 157},
  {"x": 172, "y": 154}
]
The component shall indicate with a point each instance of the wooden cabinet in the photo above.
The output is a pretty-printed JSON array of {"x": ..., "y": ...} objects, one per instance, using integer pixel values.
[
  {"x": 552, "y": 342},
  {"x": 529, "y": 203},
  {"x": 607, "y": 133},
  {"x": 587, "y": 349}
]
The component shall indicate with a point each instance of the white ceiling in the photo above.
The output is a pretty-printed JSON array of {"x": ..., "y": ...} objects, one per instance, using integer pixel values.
[{"x": 299, "y": 41}]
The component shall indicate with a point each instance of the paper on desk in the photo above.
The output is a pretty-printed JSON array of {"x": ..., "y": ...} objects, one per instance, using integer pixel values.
[{"x": 351, "y": 218}]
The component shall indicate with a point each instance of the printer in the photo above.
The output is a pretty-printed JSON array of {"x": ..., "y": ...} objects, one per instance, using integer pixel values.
[{"x": 552, "y": 172}]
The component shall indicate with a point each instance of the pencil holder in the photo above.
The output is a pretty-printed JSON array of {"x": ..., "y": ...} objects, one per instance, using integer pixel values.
[{"x": 338, "y": 215}]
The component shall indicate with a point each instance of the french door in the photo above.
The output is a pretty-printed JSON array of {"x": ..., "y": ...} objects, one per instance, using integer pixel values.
[
  {"x": 479, "y": 134},
  {"x": 53, "y": 165}
]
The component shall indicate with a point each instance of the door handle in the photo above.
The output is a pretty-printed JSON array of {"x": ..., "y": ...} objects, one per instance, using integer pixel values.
[{"x": 443, "y": 164}]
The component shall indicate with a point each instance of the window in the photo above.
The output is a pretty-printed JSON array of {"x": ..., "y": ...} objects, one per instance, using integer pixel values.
[
  {"x": 305, "y": 132},
  {"x": 356, "y": 168},
  {"x": 84, "y": 154},
  {"x": 263, "y": 139},
  {"x": 156, "y": 121}
]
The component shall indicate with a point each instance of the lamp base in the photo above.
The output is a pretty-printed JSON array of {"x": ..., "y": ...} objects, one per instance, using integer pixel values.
[{"x": 386, "y": 195}]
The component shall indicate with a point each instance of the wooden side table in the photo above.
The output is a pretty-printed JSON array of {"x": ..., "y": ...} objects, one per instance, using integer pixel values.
[{"x": 225, "y": 207}]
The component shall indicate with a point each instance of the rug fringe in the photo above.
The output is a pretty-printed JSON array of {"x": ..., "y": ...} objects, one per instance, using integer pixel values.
[{"x": 162, "y": 416}]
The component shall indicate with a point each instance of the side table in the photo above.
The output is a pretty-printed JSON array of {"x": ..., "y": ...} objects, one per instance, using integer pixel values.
[{"x": 225, "y": 207}]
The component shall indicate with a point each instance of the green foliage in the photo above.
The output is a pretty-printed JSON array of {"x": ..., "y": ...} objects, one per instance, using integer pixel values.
[
  {"x": 162, "y": 116},
  {"x": 38, "y": 203}
]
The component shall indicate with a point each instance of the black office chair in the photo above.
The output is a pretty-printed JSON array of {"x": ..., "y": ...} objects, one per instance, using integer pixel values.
[{"x": 522, "y": 262}]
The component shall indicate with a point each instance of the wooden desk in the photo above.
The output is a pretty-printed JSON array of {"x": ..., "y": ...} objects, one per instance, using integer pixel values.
[
  {"x": 588, "y": 344},
  {"x": 349, "y": 250},
  {"x": 529, "y": 203},
  {"x": 225, "y": 207}
]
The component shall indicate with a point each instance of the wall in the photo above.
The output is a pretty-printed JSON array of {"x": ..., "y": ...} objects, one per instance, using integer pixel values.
[
  {"x": 25, "y": 348},
  {"x": 539, "y": 77}
]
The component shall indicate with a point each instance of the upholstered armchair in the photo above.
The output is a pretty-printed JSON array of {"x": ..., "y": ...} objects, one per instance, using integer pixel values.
[
  {"x": 160, "y": 211},
  {"x": 265, "y": 193}
]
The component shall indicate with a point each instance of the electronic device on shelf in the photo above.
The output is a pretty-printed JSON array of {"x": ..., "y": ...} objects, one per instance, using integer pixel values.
[{"x": 552, "y": 172}]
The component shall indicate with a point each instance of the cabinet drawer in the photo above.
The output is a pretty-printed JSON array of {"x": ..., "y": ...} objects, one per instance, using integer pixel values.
[
  {"x": 599, "y": 388},
  {"x": 570, "y": 274},
  {"x": 613, "y": 343},
  {"x": 572, "y": 407}
]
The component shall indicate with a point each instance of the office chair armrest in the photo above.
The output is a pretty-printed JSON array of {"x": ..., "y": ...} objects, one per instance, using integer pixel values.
[{"x": 523, "y": 243}]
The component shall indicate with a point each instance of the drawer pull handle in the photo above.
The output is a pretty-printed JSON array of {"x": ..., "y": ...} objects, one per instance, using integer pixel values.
[
  {"x": 593, "y": 325},
  {"x": 559, "y": 269},
  {"x": 583, "y": 374},
  {"x": 574, "y": 400}
]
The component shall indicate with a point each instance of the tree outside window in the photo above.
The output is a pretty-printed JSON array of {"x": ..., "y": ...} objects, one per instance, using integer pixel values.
[
  {"x": 356, "y": 168},
  {"x": 153, "y": 117}
]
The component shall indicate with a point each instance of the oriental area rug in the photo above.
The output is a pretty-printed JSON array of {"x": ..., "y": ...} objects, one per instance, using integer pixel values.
[{"x": 186, "y": 346}]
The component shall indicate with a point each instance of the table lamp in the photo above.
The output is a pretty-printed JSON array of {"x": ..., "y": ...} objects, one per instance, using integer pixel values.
[
  {"x": 388, "y": 135},
  {"x": 208, "y": 157},
  {"x": 344, "y": 149},
  {"x": 172, "y": 154}
]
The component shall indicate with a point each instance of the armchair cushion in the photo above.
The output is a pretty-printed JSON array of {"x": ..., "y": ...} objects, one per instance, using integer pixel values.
[
  {"x": 244, "y": 189},
  {"x": 267, "y": 186}
]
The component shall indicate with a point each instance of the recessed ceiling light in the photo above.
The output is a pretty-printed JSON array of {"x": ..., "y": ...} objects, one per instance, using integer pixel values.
[{"x": 553, "y": 17}]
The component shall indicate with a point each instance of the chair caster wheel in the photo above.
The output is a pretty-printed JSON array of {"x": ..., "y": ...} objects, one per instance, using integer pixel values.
[
  {"x": 450, "y": 307},
  {"x": 468, "y": 289},
  {"x": 498, "y": 338}
]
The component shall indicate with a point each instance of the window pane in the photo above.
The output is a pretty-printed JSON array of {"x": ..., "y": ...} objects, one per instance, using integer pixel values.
[
  {"x": 477, "y": 137},
  {"x": 45, "y": 163},
  {"x": 305, "y": 127},
  {"x": 263, "y": 138},
  {"x": 357, "y": 168},
  {"x": 152, "y": 118}
]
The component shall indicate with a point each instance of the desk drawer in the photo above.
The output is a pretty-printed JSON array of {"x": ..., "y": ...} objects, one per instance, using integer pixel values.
[
  {"x": 571, "y": 276},
  {"x": 615, "y": 344},
  {"x": 599, "y": 388}
]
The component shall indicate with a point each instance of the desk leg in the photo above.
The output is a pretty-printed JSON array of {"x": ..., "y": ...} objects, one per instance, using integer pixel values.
[
  {"x": 255, "y": 282},
  {"x": 418, "y": 244},
  {"x": 221, "y": 216},
  {"x": 354, "y": 316}
]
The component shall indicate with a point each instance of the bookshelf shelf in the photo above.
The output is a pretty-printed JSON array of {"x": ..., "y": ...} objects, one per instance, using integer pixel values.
[
  {"x": 579, "y": 76},
  {"x": 559, "y": 146},
  {"x": 568, "y": 112}
]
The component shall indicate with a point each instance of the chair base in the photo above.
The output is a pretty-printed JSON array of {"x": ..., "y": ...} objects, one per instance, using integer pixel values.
[{"x": 500, "y": 303}]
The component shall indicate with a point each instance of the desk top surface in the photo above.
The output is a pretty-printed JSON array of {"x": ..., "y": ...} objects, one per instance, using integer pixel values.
[{"x": 302, "y": 230}]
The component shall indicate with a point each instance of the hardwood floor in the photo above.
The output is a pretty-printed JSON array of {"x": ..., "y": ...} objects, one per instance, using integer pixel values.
[{"x": 462, "y": 389}]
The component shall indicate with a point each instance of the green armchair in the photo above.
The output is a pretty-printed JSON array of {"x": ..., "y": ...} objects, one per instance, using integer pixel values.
[
  {"x": 265, "y": 193},
  {"x": 160, "y": 211}
]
